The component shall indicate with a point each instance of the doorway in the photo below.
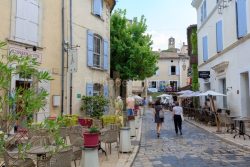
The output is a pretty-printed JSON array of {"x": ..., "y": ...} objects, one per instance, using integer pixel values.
[
  {"x": 244, "y": 91},
  {"x": 223, "y": 90}
]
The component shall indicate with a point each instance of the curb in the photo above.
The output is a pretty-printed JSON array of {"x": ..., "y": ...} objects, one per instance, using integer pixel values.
[{"x": 244, "y": 147}]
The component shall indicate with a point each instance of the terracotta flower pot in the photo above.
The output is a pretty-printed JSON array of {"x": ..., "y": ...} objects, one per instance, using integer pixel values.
[{"x": 91, "y": 139}]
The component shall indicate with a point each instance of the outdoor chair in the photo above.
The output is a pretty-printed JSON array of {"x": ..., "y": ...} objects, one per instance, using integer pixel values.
[
  {"x": 76, "y": 140},
  {"x": 64, "y": 132},
  {"x": 224, "y": 121},
  {"x": 62, "y": 158},
  {"x": 12, "y": 160},
  {"x": 108, "y": 137}
]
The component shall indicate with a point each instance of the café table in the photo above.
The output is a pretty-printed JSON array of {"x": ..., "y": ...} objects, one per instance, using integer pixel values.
[
  {"x": 41, "y": 152},
  {"x": 242, "y": 130}
]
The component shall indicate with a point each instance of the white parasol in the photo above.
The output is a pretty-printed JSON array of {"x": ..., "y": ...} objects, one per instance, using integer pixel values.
[
  {"x": 137, "y": 97},
  {"x": 185, "y": 92},
  {"x": 211, "y": 93},
  {"x": 194, "y": 94}
]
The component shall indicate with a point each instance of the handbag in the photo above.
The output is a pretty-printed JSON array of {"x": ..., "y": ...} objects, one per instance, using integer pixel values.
[{"x": 161, "y": 114}]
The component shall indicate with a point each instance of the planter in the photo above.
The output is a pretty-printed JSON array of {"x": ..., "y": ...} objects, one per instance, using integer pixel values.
[
  {"x": 91, "y": 140},
  {"x": 87, "y": 122},
  {"x": 125, "y": 141},
  {"x": 90, "y": 157}
]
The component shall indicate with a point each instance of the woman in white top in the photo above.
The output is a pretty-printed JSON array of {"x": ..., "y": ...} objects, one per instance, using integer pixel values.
[{"x": 177, "y": 112}]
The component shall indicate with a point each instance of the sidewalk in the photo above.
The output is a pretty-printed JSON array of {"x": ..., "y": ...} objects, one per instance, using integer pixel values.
[
  {"x": 227, "y": 137},
  {"x": 125, "y": 159}
]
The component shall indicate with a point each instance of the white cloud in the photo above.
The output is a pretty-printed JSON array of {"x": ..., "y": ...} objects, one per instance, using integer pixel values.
[{"x": 160, "y": 39}]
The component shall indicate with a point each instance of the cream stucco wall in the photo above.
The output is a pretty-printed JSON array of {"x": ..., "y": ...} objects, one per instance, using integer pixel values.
[
  {"x": 49, "y": 46},
  {"x": 84, "y": 20}
]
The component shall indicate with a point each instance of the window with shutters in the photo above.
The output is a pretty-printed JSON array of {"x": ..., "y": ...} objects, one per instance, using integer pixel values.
[
  {"x": 26, "y": 28},
  {"x": 173, "y": 70},
  {"x": 97, "y": 7},
  {"x": 219, "y": 36},
  {"x": 97, "y": 51},
  {"x": 97, "y": 55},
  {"x": 203, "y": 10},
  {"x": 97, "y": 89},
  {"x": 241, "y": 16},
  {"x": 205, "y": 48}
]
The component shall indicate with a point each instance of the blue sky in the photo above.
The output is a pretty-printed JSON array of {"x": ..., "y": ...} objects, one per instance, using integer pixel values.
[{"x": 165, "y": 18}]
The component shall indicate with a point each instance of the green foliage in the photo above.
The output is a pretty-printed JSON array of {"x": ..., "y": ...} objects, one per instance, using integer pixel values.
[
  {"x": 23, "y": 101},
  {"x": 194, "y": 42},
  {"x": 93, "y": 129},
  {"x": 131, "y": 52},
  {"x": 93, "y": 106}
]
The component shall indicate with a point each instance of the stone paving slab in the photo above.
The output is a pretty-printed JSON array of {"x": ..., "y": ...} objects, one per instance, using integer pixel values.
[{"x": 195, "y": 148}]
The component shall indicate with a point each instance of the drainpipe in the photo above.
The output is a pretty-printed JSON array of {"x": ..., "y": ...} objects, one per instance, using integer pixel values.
[
  {"x": 62, "y": 67},
  {"x": 71, "y": 75}
]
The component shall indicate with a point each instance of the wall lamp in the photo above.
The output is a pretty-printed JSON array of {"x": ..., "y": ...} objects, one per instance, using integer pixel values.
[{"x": 229, "y": 88}]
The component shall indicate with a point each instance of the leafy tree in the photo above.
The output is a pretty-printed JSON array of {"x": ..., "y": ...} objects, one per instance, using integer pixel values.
[{"x": 131, "y": 52}]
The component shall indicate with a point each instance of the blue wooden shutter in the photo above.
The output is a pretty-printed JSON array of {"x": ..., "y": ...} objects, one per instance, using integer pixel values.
[
  {"x": 202, "y": 13},
  {"x": 105, "y": 55},
  {"x": 204, "y": 10},
  {"x": 219, "y": 36},
  {"x": 177, "y": 70},
  {"x": 241, "y": 18},
  {"x": 106, "y": 90},
  {"x": 97, "y": 7},
  {"x": 90, "y": 47},
  {"x": 89, "y": 89},
  {"x": 205, "y": 48},
  {"x": 169, "y": 70}
]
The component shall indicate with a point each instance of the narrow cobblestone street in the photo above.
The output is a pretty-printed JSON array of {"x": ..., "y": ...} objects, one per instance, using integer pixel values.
[{"x": 195, "y": 148}]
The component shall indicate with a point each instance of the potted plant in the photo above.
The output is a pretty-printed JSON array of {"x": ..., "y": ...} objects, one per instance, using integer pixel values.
[
  {"x": 92, "y": 107},
  {"x": 91, "y": 137}
]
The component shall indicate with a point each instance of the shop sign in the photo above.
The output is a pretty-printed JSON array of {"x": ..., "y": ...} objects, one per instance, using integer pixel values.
[
  {"x": 15, "y": 50},
  {"x": 204, "y": 74}
]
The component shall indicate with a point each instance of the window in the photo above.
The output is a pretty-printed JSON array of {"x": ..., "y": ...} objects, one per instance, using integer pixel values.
[
  {"x": 27, "y": 22},
  {"x": 97, "y": 89},
  {"x": 219, "y": 36},
  {"x": 241, "y": 18},
  {"x": 205, "y": 48},
  {"x": 97, "y": 7},
  {"x": 203, "y": 11},
  {"x": 173, "y": 70},
  {"x": 97, "y": 51},
  {"x": 152, "y": 84}
]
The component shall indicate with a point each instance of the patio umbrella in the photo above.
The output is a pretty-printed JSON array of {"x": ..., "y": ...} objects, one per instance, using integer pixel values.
[
  {"x": 165, "y": 95},
  {"x": 185, "y": 92},
  {"x": 210, "y": 94},
  {"x": 193, "y": 94},
  {"x": 137, "y": 97}
]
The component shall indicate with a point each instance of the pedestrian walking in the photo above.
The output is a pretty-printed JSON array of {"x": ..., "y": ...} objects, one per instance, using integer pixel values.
[
  {"x": 177, "y": 116},
  {"x": 159, "y": 116}
]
